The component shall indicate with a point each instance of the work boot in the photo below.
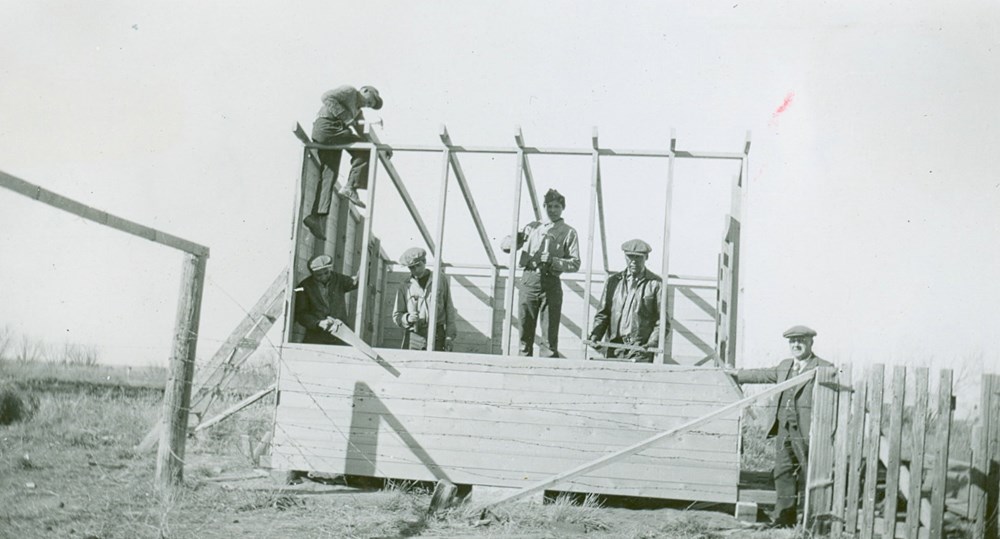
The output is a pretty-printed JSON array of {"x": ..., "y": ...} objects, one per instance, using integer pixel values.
[
  {"x": 316, "y": 223},
  {"x": 351, "y": 195}
]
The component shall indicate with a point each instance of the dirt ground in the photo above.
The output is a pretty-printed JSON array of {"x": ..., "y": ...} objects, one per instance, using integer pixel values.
[{"x": 71, "y": 470}]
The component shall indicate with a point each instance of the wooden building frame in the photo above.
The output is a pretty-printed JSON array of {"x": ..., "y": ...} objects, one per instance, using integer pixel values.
[
  {"x": 479, "y": 415},
  {"x": 728, "y": 278}
]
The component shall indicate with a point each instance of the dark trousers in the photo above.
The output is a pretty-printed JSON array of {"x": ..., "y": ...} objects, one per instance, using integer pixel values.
[
  {"x": 540, "y": 294},
  {"x": 790, "y": 454},
  {"x": 419, "y": 342},
  {"x": 326, "y": 131}
]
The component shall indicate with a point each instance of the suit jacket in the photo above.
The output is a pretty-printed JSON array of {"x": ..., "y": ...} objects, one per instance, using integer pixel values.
[
  {"x": 802, "y": 395},
  {"x": 312, "y": 305},
  {"x": 645, "y": 316}
]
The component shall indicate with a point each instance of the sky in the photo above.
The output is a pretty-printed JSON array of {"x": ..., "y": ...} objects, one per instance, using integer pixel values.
[{"x": 872, "y": 194}]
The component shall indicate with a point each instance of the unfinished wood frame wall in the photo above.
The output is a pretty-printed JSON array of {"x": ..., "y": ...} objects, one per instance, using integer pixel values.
[
  {"x": 726, "y": 325},
  {"x": 858, "y": 427}
]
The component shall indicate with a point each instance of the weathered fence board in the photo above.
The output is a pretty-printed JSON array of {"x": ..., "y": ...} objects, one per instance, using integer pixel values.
[
  {"x": 872, "y": 439},
  {"x": 897, "y": 394},
  {"x": 939, "y": 473},
  {"x": 918, "y": 436}
]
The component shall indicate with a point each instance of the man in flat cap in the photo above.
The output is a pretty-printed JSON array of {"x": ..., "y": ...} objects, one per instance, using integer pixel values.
[
  {"x": 790, "y": 421},
  {"x": 547, "y": 250},
  {"x": 340, "y": 121},
  {"x": 320, "y": 302},
  {"x": 413, "y": 303},
  {"x": 630, "y": 308}
]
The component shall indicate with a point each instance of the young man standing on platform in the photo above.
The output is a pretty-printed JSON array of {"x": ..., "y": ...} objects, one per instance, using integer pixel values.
[
  {"x": 547, "y": 251},
  {"x": 411, "y": 310},
  {"x": 790, "y": 421}
]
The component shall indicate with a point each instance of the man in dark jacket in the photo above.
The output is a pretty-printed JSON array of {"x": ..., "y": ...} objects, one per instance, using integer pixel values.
[
  {"x": 320, "y": 302},
  {"x": 630, "y": 308},
  {"x": 790, "y": 421}
]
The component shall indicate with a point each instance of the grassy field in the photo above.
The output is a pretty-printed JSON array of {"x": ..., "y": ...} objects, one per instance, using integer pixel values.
[{"x": 70, "y": 470}]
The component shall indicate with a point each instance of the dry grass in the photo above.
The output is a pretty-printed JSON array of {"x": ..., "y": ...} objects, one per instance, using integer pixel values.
[{"x": 71, "y": 471}]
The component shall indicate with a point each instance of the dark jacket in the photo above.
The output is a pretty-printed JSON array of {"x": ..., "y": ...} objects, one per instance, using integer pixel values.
[
  {"x": 802, "y": 394},
  {"x": 645, "y": 327},
  {"x": 313, "y": 305}
]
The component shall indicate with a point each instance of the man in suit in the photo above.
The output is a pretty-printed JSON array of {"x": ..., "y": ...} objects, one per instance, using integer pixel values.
[
  {"x": 630, "y": 308},
  {"x": 790, "y": 421},
  {"x": 321, "y": 303}
]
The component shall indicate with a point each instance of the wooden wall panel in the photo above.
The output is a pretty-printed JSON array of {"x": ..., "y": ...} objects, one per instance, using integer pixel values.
[{"x": 504, "y": 421}]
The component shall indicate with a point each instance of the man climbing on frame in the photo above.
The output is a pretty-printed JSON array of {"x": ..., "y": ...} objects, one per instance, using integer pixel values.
[
  {"x": 340, "y": 121},
  {"x": 549, "y": 249}
]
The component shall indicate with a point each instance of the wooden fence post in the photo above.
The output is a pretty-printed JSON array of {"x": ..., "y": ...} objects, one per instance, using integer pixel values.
[
  {"x": 939, "y": 473},
  {"x": 897, "y": 396},
  {"x": 918, "y": 431},
  {"x": 177, "y": 398},
  {"x": 872, "y": 440},
  {"x": 841, "y": 443},
  {"x": 819, "y": 483},
  {"x": 855, "y": 440}
]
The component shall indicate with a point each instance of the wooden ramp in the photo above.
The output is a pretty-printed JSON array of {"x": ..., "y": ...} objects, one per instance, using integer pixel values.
[{"x": 503, "y": 421}]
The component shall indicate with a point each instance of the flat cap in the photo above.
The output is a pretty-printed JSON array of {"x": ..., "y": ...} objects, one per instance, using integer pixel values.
[
  {"x": 636, "y": 247},
  {"x": 374, "y": 92},
  {"x": 413, "y": 256},
  {"x": 320, "y": 262},
  {"x": 799, "y": 331},
  {"x": 555, "y": 196}
]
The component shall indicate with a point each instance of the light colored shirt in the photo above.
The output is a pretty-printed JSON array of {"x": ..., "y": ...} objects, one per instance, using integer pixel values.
[{"x": 558, "y": 239}]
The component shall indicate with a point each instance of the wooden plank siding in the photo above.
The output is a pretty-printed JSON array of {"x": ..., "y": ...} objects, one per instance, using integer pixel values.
[
  {"x": 478, "y": 297},
  {"x": 504, "y": 421}
]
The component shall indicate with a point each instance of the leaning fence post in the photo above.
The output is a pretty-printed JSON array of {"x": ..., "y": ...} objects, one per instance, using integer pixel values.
[{"x": 177, "y": 398}]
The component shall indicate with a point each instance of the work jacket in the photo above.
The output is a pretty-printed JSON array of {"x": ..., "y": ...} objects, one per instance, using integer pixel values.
[
  {"x": 800, "y": 398},
  {"x": 411, "y": 298},
  {"x": 644, "y": 326},
  {"x": 314, "y": 302}
]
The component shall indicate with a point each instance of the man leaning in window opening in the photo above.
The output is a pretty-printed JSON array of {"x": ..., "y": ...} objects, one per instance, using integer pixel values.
[
  {"x": 413, "y": 302},
  {"x": 320, "y": 302}
]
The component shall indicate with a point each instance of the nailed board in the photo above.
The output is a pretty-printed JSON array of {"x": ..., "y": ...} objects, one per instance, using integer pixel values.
[{"x": 504, "y": 421}]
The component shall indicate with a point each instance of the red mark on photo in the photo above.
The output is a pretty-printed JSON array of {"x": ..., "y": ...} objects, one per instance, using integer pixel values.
[{"x": 784, "y": 106}]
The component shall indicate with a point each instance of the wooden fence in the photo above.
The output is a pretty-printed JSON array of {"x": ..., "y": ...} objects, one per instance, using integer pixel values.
[{"x": 879, "y": 463}]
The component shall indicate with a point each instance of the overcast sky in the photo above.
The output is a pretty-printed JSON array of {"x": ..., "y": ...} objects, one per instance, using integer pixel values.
[{"x": 872, "y": 200}]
